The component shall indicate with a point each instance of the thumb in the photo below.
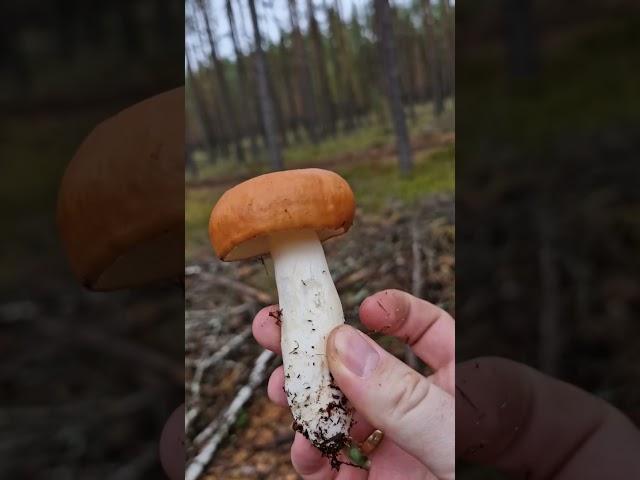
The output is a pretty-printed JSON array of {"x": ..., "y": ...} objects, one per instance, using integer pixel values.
[{"x": 410, "y": 409}]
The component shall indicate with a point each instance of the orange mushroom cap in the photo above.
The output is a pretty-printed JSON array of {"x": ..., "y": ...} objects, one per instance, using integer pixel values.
[
  {"x": 121, "y": 200},
  {"x": 245, "y": 215}
]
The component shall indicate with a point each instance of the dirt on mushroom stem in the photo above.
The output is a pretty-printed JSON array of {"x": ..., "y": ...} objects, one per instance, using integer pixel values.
[{"x": 311, "y": 308}]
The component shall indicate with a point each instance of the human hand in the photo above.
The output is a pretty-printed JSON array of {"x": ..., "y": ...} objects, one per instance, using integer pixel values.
[
  {"x": 416, "y": 413},
  {"x": 172, "y": 452},
  {"x": 528, "y": 424}
]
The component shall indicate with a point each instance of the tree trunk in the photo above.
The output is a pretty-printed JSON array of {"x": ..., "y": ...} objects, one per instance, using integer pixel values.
[
  {"x": 392, "y": 78},
  {"x": 520, "y": 38},
  {"x": 225, "y": 93},
  {"x": 130, "y": 28},
  {"x": 266, "y": 102},
  {"x": 304, "y": 75},
  {"x": 449, "y": 43},
  {"x": 278, "y": 107},
  {"x": 285, "y": 71},
  {"x": 323, "y": 76},
  {"x": 433, "y": 58},
  {"x": 201, "y": 110},
  {"x": 245, "y": 101},
  {"x": 344, "y": 69}
]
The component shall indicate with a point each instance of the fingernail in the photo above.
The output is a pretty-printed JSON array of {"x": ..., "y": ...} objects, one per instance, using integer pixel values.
[{"x": 355, "y": 352}]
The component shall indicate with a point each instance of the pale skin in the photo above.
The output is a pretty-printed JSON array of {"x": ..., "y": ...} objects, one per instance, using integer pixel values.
[
  {"x": 415, "y": 412},
  {"x": 529, "y": 425},
  {"x": 608, "y": 441}
]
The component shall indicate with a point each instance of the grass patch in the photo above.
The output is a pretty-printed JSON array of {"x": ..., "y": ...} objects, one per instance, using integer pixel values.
[
  {"x": 375, "y": 185},
  {"x": 372, "y": 135},
  {"x": 197, "y": 209}
]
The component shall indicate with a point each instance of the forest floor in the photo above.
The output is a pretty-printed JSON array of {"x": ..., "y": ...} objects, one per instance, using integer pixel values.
[{"x": 406, "y": 226}]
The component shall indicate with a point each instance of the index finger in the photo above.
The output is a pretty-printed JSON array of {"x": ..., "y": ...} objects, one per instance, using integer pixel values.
[
  {"x": 266, "y": 328},
  {"x": 427, "y": 329}
]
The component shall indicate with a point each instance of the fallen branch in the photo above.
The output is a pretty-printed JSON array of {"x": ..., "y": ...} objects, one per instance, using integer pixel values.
[
  {"x": 354, "y": 277},
  {"x": 189, "y": 417},
  {"x": 204, "y": 365},
  {"x": 197, "y": 465},
  {"x": 246, "y": 291},
  {"x": 191, "y": 270}
]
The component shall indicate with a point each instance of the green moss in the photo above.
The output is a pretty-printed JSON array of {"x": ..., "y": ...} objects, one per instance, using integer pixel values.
[{"x": 375, "y": 185}]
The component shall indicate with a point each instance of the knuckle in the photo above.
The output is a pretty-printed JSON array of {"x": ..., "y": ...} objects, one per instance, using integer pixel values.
[{"x": 411, "y": 394}]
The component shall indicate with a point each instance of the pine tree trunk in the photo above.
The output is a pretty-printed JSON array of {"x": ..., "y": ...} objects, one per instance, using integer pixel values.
[
  {"x": 450, "y": 43},
  {"x": 344, "y": 69},
  {"x": 253, "y": 85},
  {"x": 323, "y": 76},
  {"x": 304, "y": 75},
  {"x": 285, "y": 71},
  {"x": 392, "y": 77},
  {"x": 201, "y": 111},
  {"x": 245, "y": 101},
  {"x": 520, "y": 38},
  {"x": 225, "y": 93},
  {"x": 266, "y": 102},
  {"x": 281, "y": 120},
  {"x": 433, "y": 58}
]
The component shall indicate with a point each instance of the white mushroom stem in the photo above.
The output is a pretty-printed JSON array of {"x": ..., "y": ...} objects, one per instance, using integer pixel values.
[{"x": 310, "y": 309}]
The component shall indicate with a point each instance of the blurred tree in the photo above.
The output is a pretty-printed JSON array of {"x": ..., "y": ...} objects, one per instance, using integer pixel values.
[
  {"x": 164, "y": 24},
  {"x": 266, "y": 101},
  {"x": 128, "y": 17},
  {"x": 190, "y": 147},
  {"x": 406, "y": 35},
  {"x": 12, "y": 65},
  {"x": 520, "y": 38},
  {"x": 303, "y": 74},
  {"x": 433, "y": 58},
  {"x": 278, "y": 102},
  {"x": 329, "y": 113},
  {"x": 66, "y": 23},
  {"x": 343, "y": 66},
  {"x": 247, "y": 107},
  {"x": 449, "y": 40},
  {"x": 225, "y": 92},
  {"x": 392, "y": 76},
  {"x": 200, "y": 107},
  {"x": 365, "y": 66},
  {"x": 286, "y": 74},
  {"x": 323, "y": 71}
]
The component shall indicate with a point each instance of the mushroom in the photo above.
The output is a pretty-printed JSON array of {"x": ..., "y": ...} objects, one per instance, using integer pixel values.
[
  {"x": 121, "y": 212},
  {"x": 288, "y": 214},
  {"x": 121, "y": 200}
]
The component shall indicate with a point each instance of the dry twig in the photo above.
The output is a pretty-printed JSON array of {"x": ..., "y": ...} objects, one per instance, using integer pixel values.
[
  {"x": 246, "y": 291},
  {"x": 203, "y": 458}
]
